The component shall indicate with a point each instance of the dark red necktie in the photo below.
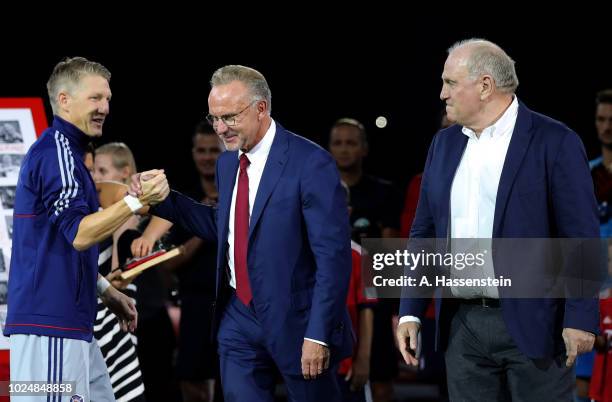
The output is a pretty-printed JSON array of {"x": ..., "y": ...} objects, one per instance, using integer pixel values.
[{"x": 241, "y": 233}]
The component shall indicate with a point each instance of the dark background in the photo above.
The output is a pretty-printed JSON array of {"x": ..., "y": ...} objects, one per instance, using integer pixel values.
[{"x": 318, "y": 70}]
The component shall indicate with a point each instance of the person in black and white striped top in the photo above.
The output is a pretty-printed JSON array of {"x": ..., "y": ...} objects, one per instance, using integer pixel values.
[{"x": 115, "y": 162}]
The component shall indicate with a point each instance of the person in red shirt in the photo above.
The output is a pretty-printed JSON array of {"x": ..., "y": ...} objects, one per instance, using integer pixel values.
[
  {"x": 354, "y": 371},
  {"x": 600, "y": 389}
]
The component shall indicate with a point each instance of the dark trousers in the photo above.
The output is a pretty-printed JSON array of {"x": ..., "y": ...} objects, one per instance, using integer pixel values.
[
  {"x": 156, "y": 343},
  {"x": 483, "y": 363},
  {"x": 361, "y": 395},
  {"x": 248, "y": 372}
]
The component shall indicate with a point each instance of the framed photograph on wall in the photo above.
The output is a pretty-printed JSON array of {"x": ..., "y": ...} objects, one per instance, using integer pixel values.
[{"x": 22, "y": 120}]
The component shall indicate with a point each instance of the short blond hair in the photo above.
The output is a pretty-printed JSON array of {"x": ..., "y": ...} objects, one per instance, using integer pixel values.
[
  {"x": 67, "y": 74},
  {"x": 121, "y": 155}
]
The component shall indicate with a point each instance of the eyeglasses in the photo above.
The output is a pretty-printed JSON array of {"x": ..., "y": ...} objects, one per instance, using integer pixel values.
[{"x": 229, "y": 119}]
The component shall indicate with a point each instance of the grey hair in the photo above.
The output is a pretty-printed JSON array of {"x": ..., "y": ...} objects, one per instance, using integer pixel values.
[
  {"x": 67, "y": 74},
  {"x": 253, "y": 79},
  {"x": 488, "y": 58}
]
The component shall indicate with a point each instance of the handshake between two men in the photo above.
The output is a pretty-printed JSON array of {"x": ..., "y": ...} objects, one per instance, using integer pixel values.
[
  {"x": 147, "y": 188},
  {"x": 150, "y": 187}
]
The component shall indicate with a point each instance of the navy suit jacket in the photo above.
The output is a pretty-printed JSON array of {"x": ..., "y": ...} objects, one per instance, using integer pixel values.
[
  {"x": 545, "y": 191},
  {"x": 299, "y": 253}
]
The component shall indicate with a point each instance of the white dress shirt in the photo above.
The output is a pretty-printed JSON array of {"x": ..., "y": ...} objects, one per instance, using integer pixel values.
[
  {"x": 258, "y": 157},
  {"x": 474, "y": 189}
]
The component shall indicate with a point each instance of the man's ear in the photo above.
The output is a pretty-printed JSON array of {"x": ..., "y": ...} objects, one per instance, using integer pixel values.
[
  {"x": 63, "y": 100},
  {"x": 262, "y": 108},
  {"x": 486, "y": 86}
]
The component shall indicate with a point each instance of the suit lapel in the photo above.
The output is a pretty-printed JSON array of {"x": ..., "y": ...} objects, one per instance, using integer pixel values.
[
  {"x": 227, "y": 188},
  {"x": 275, "y": 164},
  {"x": 519, "y": 143}
]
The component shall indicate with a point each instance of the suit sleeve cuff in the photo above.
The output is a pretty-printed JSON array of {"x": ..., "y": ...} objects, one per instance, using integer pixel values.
[
  {"x": 315, "y": 341},
  {"x": 409, "y": 318}
]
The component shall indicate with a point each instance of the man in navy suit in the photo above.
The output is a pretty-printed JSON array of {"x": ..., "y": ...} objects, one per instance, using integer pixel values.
[
  {"x": 502, "y": 171},
  {"x": 283, "y": 248}
]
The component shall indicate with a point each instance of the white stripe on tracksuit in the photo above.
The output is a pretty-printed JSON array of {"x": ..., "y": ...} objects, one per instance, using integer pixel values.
[
  {"x": 66, "y": 165},
  {"x": 53, "y": 367}
]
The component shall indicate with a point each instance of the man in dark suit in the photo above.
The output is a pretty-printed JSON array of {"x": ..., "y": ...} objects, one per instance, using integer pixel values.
[
  {"x": 283, "y": 247},
  {"x": 502, "y": 171}
]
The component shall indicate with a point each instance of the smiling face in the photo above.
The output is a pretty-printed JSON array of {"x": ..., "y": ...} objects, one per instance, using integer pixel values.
[
  {"x": 234, "y": 100},
  {"x": 87, "y": 104}
]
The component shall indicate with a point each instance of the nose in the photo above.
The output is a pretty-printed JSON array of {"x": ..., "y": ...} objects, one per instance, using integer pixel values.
[
  {"x": 444, "y": 93},
  {"x": 343, "y": 148},
  {"x": 220, "y": 127},
  {"x": 104, "y": 107}
]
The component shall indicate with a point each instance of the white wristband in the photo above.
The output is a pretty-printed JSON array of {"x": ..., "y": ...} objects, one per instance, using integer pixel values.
[
  {"x": 102, "y": 285},
  {"x": 132, "y": 202}
]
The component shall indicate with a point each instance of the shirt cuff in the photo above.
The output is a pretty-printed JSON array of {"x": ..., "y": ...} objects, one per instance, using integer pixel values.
[
  {"x": 315, "y": 341},
  {"x": 409, "y": 318}
]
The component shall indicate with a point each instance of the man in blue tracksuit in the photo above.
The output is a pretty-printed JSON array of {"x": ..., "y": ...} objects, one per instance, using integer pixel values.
[{"x": 53, "y": 276}]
